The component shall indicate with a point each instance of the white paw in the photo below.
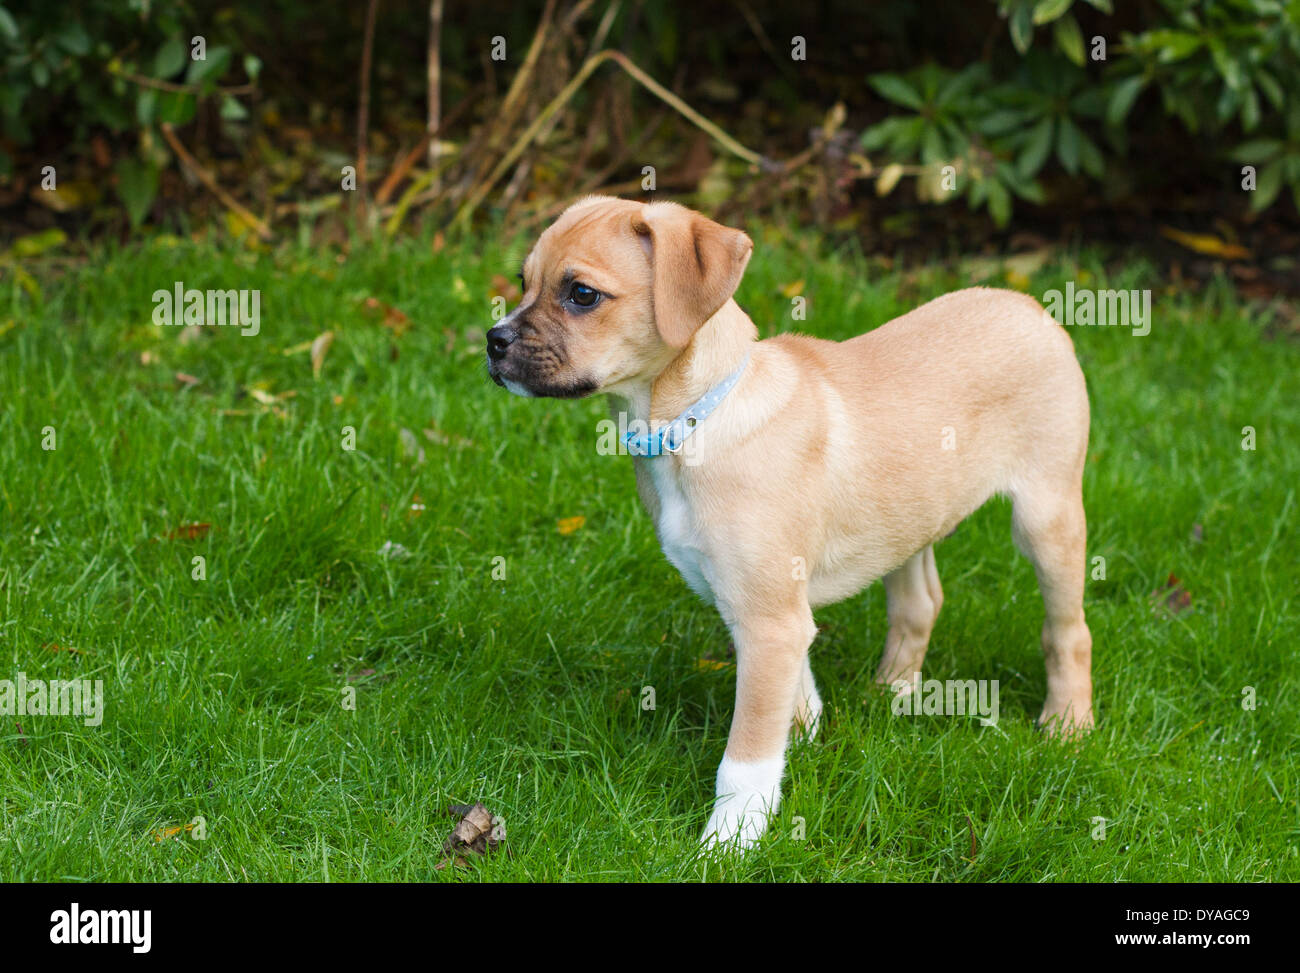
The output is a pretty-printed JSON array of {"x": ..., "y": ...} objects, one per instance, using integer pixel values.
[{"x": 748, "y": 795}]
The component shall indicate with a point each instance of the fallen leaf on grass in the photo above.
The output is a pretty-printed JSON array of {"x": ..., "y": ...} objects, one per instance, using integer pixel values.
[
  {"x": 393, "y": 552},
  {"x": 710, "y": 665},
  {"x": 262, "y": 397},
  {"x": 56, "y": 647},
  {"x": 184, "y": 380},
  {"x": 1173, "y": 596},
  {"x": 411, "y": 447},
  {"x": 440, "y": 438},
  {"x": 567, "y": 525},
  {"x": 319, "y": 348},
  {"x": 189, "y": 532},
  {"x": 1206, "y": 243},
  {"x": 392, "y": 319},
  {"x": 474, "y": 834},
  {"x": 162, "y": 834}
]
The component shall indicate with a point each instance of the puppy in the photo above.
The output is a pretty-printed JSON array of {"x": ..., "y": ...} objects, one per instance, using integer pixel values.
[{"x": 790, "y": 473}]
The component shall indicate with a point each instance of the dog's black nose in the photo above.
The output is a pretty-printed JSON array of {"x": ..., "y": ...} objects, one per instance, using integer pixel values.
[{"x": 499, "y": 339}]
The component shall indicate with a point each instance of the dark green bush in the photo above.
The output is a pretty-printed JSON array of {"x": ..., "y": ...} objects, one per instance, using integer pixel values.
[
  {"x": 120, "y": 65},
  {"x": 1218, "y": 67}
]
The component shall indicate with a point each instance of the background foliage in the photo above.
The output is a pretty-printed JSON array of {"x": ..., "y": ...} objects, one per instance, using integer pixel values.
[{"x": 1015, "y": 95}]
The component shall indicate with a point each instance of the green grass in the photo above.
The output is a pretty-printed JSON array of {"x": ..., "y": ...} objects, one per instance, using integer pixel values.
[{"x": 223, "y": 696}]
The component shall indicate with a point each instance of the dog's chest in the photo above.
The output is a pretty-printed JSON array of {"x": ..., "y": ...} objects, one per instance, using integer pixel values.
[{"x": 678, "y": 534}]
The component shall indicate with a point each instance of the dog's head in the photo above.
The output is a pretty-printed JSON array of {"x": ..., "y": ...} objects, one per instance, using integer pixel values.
[{"x": 613, "y": 291}]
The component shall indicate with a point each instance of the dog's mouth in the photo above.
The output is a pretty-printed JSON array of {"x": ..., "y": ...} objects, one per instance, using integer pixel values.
[{"x": 522, "y": 383}]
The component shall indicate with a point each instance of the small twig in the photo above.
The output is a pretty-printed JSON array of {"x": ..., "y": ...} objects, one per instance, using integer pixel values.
[
  {"x": 606, "y": 22},
  {"x": 515, "y": 93},
  {"x": 403, "y": 166},
  {"x": 830, "y": 125},
  {"x": 554, "y": 209},
  {"x": 189, "y": 89},
  {"x": 593, "y": 62},
  {"x": 363, "y": 102},
  {"x": 210, "y": 181},
  {"x": 577, "y": 13},
  {"x": 400, "y": 170},
  {"x": 435, "y": 81},
  {"x": 623, "y": 154},
  {"x": 765, "y": 42},
  {"x": 413, "y": 191}
]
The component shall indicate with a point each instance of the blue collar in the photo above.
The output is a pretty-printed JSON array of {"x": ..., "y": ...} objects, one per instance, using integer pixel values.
[{"x": 669, "y": 438}]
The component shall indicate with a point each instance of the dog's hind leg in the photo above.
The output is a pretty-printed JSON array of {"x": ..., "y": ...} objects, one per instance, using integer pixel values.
[
  {"x": 914, "y": 597},
  {"x": 1049, "y": 528},
  {"x": 808, "y": 703}
]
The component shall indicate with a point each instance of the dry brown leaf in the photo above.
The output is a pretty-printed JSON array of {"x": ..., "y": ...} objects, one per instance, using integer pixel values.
[
  {"x": 162, "y": 834},
  {"x": 392, "y": 319},
  {"x": 567, "y": 525},
  {"x": 263, "y": 397},
  {"x": 1206, "y": 243},
  {"x": 56, "y": 647},
  {"x": 1173, "y": 596},
  {"x": 319, "y": 348},
  {"x": 474, "y": 834},
  {"x": 189, "y": 532}
]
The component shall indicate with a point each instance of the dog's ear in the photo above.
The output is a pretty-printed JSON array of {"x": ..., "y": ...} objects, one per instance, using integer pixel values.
[{"x": 697, "y": 265}]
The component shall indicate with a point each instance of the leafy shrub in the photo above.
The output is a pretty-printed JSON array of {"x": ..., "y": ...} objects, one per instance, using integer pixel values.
[
  {"x": 1221, "y": 67},
  {"x": 123, "y": 65}
]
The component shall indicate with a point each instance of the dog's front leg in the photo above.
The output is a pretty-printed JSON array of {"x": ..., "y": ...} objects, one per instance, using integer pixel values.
[{"x": 771, "y": 650}]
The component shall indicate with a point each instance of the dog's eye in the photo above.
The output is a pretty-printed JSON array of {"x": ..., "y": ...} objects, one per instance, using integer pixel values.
[{"x": 584, "y": 296}]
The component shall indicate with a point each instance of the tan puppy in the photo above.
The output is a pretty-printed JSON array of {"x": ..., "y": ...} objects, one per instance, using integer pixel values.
[{"x": 826, "y": 466}]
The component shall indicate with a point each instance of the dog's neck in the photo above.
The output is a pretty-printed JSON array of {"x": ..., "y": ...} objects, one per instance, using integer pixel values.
[{"x": 716, "y": 350}]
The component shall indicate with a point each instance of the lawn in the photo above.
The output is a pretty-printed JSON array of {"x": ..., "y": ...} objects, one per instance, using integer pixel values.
[{"x": 316, "y": 705}]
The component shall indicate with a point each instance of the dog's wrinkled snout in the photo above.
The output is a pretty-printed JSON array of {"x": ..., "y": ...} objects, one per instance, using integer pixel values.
[{"x": 499, "y": 340}]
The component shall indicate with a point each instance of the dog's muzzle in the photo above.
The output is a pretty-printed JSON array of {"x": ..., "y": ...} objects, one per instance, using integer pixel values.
[{"x": 499, "y": 340}]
